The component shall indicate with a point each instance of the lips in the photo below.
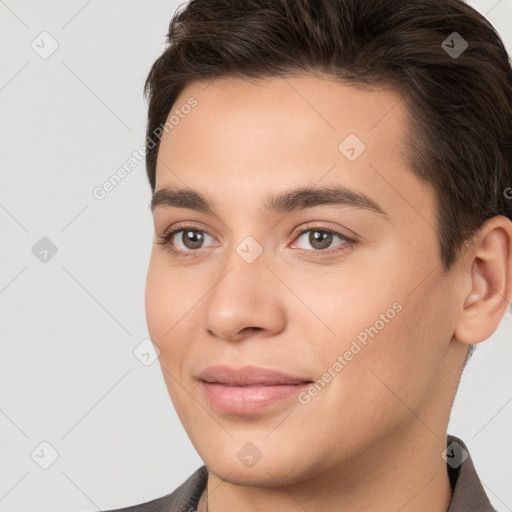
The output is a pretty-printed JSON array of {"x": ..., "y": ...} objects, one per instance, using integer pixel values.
[
  {"x": 248, "y": 376},
  {"x": 249, "y": 390}
]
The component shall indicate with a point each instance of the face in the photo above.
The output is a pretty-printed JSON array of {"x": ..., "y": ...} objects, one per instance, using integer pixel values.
[{"x": 339, "y": 287}]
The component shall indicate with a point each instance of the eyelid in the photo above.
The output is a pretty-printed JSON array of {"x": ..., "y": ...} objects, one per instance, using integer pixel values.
[
  {"x": 349, "y": 241},
  {"x": 303, "y": 227},
  {"x": 170, "y": 232},
  {"x": 345, "y": 244},
  {"x": 184, "y": 225},
  {"x": 311, "y": 226}
]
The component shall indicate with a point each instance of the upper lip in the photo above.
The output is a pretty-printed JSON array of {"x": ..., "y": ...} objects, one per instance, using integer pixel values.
[{"x": 248, "y": 375}]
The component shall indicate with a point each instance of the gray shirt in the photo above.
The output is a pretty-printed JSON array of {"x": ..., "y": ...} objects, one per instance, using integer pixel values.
[{"x": 468, "y": 494}]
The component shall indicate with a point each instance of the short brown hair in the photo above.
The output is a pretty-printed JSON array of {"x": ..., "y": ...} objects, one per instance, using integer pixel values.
[{"x": 460, "y": 106}]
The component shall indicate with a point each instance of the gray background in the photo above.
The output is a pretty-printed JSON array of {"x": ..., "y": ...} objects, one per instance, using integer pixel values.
[{"x": 69, "y": 376}]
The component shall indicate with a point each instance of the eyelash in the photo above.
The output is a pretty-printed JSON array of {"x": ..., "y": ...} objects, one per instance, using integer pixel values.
[{"x": 166, "y": 238}]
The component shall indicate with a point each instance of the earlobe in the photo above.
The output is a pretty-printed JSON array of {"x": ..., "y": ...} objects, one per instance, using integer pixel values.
[{"x": 491, "y": 282}]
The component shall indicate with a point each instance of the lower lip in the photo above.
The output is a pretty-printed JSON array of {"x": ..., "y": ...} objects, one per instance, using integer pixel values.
[{"x": 246, "y": 400}]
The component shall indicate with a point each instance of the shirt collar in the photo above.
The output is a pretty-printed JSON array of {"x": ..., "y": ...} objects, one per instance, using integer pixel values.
[{"x": 468, "y": 493}]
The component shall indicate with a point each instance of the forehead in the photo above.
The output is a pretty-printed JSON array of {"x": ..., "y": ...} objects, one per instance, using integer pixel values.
[{"x": 269, "y": 134}]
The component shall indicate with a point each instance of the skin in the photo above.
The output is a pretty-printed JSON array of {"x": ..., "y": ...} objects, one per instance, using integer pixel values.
[{"x": 372, "y": 439}]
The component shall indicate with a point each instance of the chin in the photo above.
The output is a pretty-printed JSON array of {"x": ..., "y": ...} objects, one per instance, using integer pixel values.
[
  {"x": 260, "y": 475},
  {"x": 232, "y": 464}
]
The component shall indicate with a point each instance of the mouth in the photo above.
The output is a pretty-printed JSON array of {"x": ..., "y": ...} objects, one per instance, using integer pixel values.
[{"x": 248, "y": 390}]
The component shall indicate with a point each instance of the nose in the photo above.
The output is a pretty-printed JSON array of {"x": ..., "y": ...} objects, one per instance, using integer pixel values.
[{"x": 245, "y": 301}]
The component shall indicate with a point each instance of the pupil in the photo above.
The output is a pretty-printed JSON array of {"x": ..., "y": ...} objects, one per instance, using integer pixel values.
[
  {"x": 322, "y": 241},
  {"x": 193, "y": 240}
]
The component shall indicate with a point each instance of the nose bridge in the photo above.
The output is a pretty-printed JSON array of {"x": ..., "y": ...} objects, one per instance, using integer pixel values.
[
  {"x": 241, "y": 295},
  {"x": 245, "y": 265},
  {"x": 242, "y": 276}
]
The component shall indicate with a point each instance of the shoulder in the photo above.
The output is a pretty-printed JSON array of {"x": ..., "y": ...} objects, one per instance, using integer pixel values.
[{"x": 183, "y": 499}]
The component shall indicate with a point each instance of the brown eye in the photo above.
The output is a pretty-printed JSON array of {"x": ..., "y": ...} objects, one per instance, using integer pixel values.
[
  {"x": 184, "y": 240},
  {"x": 320, "y": 239},
  {"x": 191, "y": 239}
]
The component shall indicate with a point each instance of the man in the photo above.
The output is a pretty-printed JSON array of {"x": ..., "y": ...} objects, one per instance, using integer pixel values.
[{"x": 331, "y": 198}]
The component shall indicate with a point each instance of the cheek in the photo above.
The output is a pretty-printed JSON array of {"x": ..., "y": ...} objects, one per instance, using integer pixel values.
[
  {"x": 168, "y": 299},
  {"x": 397, "y": 371},
  {"x": 391, "y": 344},
  {"x": 164, "y": 317},
  {"x": 155, "y": 303}
]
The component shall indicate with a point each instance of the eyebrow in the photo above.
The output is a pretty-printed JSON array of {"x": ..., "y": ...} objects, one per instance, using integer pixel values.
[{"x": 287, "y": 201}]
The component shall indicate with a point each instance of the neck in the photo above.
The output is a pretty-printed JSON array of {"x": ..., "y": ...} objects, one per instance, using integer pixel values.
[{"x": 405, "y": 473}]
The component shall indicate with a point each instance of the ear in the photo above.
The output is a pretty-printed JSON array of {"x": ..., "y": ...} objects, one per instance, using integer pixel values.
[{"x": 488, "y": 265}]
